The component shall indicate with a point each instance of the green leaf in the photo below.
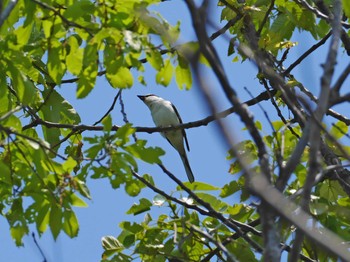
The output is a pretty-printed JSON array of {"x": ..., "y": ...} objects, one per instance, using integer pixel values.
[
  {"x": 47, "y": 25},
  {"x": 122, "y": 78},
  {"x": 24, "y": 88},
  {"x": 74, "y": 60},
  {"x": 131, "y": 227},
  {"x": 165, "y": 75},
  {"x": 82, "y": 188},
  {"x": 77, "y": 201},
  {"x": 155, "y": 59},
  {"x": 43, "y": 217},
  {"x": 127, "y": 238},
  {"x": 57, "y": 110},
  {"x": 13, "y": 122},
  {"x": 144, "y": 206},
  {"x": 23, "y": 33},
  {"x": 78, "y": 9},
  {"x": 330, "y": 191},
  {"x": 346, "y": 7},
  {"x": 87, "y": 77},
  {"x": 70, "y": 224},
  {"x": 148, "y": 154},
  {"x": 241, "y": 250},
  {"x": 199, "y": 186},
  {"x": 258, "y": 125},
  {"x": 111, "y": 245},
  {"x": 69, "y": 164},
  {"x": 230, "y": 189},
  {"x": 277, "y": 125},
  {"x": 107, "y": 123},
  {"x": 55, "y": 220},
  {"x": 132, "y": 188},
  {"x": 86, "y": 83},
  {"x": 5, "y": 174},
  {"x": 235, "y": 168},
  {"x": 318, "y": 209},
  {"x": 214, "y": 201},
  {"x": 183, "y": 74},
  {"x": 301, "y": 173},
  {"x": 344, "y": 201},
  {"x": 339, "y": 129},
  {"x": 55, "y": 65},
  {"x": 123, "y": 133},
  {"x": 17, "y": 233}
]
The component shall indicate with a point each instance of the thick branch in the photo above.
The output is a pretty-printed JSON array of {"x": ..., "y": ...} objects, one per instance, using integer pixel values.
[
  {"x": 315, "y": 136},
  {"x": 203, "y": 122}
]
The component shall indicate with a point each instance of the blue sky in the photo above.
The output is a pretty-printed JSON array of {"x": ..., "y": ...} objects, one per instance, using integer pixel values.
[{"x": 207, "y": 155}]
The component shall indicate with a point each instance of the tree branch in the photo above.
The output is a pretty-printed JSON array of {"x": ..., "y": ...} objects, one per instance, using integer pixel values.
[
  {"x": 315, "y": 138},
  {"x": 341, "y": 80},
  {"x": 4, "y": 14},
  {"x": 202, "y": 122},
  {"x": 306, "y": 54},
  {"x": 68, "y": 22},
  {"x": 318, "y": 13}
]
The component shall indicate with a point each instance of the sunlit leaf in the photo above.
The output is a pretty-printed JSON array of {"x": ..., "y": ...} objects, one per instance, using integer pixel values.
[
  {"x": 339, "y": 129},
  {"x": 183, "y": 74},
  {"x": 121, "y": 78},
  {"x": 111, "y": 245},
  {"x": 70, "y": 224},
  {"x": 346, "y": 7},
  {"x": 155, "y": 59},
  {"x": 165, "y": 75},
  {"x": 107, "y": 123},
  {"x": 74, "y": 59},
  {"x": 77, "y": 201},
  {"x": 199, "y": 186}
]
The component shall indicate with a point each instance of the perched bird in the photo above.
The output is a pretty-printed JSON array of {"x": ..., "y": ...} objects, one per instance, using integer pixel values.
[{"x": 165, "y": 114}]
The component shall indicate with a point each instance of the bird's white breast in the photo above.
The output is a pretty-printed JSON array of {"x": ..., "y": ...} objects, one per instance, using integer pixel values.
[{"x": 164, "y": 114}]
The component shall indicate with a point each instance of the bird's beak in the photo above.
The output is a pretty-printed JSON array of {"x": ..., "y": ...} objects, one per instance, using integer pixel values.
[{"x": 141, "y": 97}]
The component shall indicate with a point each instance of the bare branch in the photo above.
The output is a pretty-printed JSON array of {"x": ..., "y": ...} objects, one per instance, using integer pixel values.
[
  {"x": 266, "y": 17},
  {"x": 315, "y": 138},
  {"x": 202, "y": 122},
  {"x": 292, "y": 213},
  {"x": 341, "y": 80},
  {"x": 39, "y": 248},
  {"x": 318, "y": 13},
  {"x": 110, "y": 109},
  {"x": 307, "y": 53},
  {"x": 4, "y": 14},
  {"x": 208, "y": 50},
  {"x": 217, "y": 243}
]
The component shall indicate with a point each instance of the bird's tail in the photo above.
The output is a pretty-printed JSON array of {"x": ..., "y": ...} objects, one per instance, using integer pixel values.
[{"x": 187, "y": 167}]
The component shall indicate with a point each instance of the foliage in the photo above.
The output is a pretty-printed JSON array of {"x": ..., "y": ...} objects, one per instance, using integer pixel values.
[{"x": 47, "y": 154}]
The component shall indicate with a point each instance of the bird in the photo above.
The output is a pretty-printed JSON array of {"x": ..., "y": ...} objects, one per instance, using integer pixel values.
[{"x": 165, "y": 114}]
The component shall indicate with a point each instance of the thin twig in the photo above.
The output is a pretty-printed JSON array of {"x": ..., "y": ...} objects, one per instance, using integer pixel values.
[
  {"x": 266, "y": 17},
  {"x": 314, "y": 137},
  {"x": 110, "y": 109},
  {"x": 341, "y": 79},
  {"x": 202, "y": 122},
  {"x": 216, "y": 242},
  {"x": 39, "y": 248},
  {"x": 306, "y": 54}
]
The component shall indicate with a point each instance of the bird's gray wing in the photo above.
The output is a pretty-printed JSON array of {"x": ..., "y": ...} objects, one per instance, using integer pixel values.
[{"x": 183, "y": 130}]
